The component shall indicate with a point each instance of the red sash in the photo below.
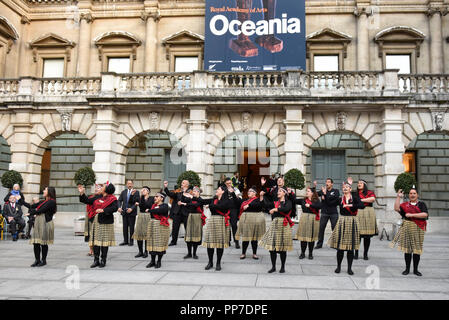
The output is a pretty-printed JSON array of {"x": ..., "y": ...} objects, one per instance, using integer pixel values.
[
  {"x": 199, "y": 209},
  {"x": 162, "y": 219},
  {"x": 315, "y": 211},
  {"x": 102, "y": 203},
  {"x": 287, "y": 219},
  {"x": 369, "y": 194},
  {"x": 244, "y": 203},
  {"x": 349, "y": 209},
  {"x": 90, "y": 208},
  {"x": 409, "y": 208},
  {"x": 42, "y": 203},
  {"x": 225, "y": 215}
]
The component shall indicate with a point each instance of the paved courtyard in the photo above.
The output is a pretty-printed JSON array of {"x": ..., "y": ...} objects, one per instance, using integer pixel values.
[{"x": 127, "y": 278}]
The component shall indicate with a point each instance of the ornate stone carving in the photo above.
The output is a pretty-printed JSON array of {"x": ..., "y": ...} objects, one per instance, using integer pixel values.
[
  {"x": 437, "y": 120},
  {"x": 66, "y": 119},
  {"x": 341, "y": 121},
  {"x": 246, "y": 121},
  {"x": 154, "y": 121}
]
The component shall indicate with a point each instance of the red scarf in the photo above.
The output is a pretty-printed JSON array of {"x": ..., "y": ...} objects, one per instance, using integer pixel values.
[
  {"x": 369, "y": 194},
  {"x": 162, "y": 219},
  {"x": 244, "y": 203},
  {"x": 315, "y": 211},
  {"x": 351, "y": 210},
  {"x": 199, "y": 209},
  {"x": 287, "y": 219},
  {"x": 225, "y": 215},
  {"x": 407, "y": 207},
  {"x": 42, "y": 203},
  {"x": 102, "y": 203},
  {"x": 90, "y": 207}
]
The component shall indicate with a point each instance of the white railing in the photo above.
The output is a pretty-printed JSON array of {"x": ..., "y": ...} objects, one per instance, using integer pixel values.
[
  {"x": 9, "y": 87},
  {"x": 423, "y": 83},
  {"x": 154, "y": 82},
  {"x": 69, "y": 86},
  {"x": 345, "y": 81}
]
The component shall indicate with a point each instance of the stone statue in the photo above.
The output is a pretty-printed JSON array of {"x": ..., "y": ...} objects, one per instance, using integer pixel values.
[
  {"x": 66, "y": 116},
  {"x": 154, "y": 121},
  {"x": 246, "y": 120},
  {"x": 341, "y": 121},
  {"x": 438, "y": 119}
]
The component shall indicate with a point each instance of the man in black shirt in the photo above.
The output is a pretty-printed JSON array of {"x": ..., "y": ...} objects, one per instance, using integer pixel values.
[
  {"x": 179, "y": 214},
  {"x": 234, "y": 207},
  {"x": 329, "y": 201}
]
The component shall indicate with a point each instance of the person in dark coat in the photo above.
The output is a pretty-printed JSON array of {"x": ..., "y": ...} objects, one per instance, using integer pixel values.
[
  {"x": 128, "y": 209},
  {"x": 12, "y": 212},
  {"x": 179, "y": 214}
]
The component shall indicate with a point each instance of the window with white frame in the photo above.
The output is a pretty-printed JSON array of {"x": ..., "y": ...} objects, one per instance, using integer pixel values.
[
  {"x": 53, "y": 68},
  {"x": 185, "y": 64},
  {"x": 119, "y": 65},
  {"x": 325, "y": 62},
  {"x": 401, "y": 62}
]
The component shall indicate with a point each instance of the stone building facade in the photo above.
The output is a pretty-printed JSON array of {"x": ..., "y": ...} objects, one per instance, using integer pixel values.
[{"x": 364, "y": 119}]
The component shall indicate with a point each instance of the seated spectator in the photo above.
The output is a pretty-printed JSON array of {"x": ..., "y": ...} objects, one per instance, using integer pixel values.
[
  {"x": 16, "y": 193},
  {"x": 12, "y": 212}
]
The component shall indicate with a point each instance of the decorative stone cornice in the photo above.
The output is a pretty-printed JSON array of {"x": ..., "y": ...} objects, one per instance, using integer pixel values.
[
  {"x": 156, "y": 16},
  {"x": 86, "y": 16},
  {"x": 436, "y": 10},
  {"x": 24, "y": 20},
  {"x": 359, "y": 11}
]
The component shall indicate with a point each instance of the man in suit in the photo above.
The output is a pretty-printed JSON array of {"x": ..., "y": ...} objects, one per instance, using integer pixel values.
[
  {"x": 329, "y": 201},
  {"x": 178, "y": 213},
  {"x": 12, "y": 212},
  {"x": 128, "y": 210}
]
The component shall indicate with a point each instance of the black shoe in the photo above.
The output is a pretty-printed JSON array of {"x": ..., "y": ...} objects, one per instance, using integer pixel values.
[
  {"x": 218, "y": 267},
  {"x": 282, "y": 270},
  {"x": 123, "y": 244},
  {"x": 302, "y": 256},
  {"x": 272, "y": 270},
  {"x": 195, "y": 257},
  {"x": 237, "y": 245},
  {"x": 145, "y": 255},
  {"x": 419, "y": 274},
  {"x": 337, "y": 270},
  {"x": 95, "y": 264},
  {"x": 172, "y": 244},
  {"x": 42, "y": 263},
  {"x": 102, "y": 263},
  {"x": 405, "y": 272},
  {"x": 310, "y": 257},
  {"x": 188, "y": 256},
  {"x": 151, "y": 264},
  {"x": 356, "y": 255},
  {"x": 140, "y": 254},
  {"x": 350, "y": 272},
  {"x": 131, "y": 244},
  {"x": 365, "y": 257},
  {"x": 158, "y": 264},
  {"x": 209, "y": 265},
  {"x": 35, "y": 263},
  {"x": 318, "y": 246}
]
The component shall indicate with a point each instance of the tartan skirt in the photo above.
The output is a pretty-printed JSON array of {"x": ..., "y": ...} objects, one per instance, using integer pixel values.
[
  {"x": 157, "y": 237},
  {"x": 101, "y": 234},
  {"x": 346, "y": 235},
  {"x": 216, "y": 234},
  {"x": 43, "y": 231},
  {"x": 140, "y": 233},
  {"x": 251, "y": 226},
  {"x": 194, "y": 229},
  {"x": 409, "y": 239},
  {"x": 308, "y": 228},
  {"x": 278, "y": 237},
  {"x": 367, "y": 222}
]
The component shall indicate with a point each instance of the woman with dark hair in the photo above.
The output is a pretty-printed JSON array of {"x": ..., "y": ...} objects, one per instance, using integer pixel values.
[
  {"x": 89, "y": 210},
  {"x": 43, "y": 231},
  {"x": 101, "y": 234},
  {"x": 410, "y": 237},
  {"x": 217, "y": 232},
  {"x": 366, "y": 217},
  {"x": 309, "y": 222},
  {"x": 195, "y": 221},
  {"x": 346, "y": 234},
  {"x": 158, "y": 233},
  {"x": 278, "y": 238},
  {"x": 251, "y": 225},
  {"x": 143, "y": 218}
]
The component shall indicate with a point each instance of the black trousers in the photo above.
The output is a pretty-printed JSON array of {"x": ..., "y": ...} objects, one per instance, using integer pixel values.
[
  {"x": 15, "y": 224},
  {"x": 234, "y": 219},
  {"x": 129, "y": 221},
  {"x": 177, "y": 220},
  {"x": 324, "y": 218}
]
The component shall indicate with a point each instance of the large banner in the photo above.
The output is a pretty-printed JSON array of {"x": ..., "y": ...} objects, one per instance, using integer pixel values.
[{"x": 255, "y": 35}]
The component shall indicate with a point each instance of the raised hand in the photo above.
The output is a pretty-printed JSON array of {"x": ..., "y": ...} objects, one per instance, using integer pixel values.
[
  {"x": 165, "y": 184},
  {"x": 350, "y": 181},
  {"x": 263, "y": 180},
  {"x": 400, "y": 193}
]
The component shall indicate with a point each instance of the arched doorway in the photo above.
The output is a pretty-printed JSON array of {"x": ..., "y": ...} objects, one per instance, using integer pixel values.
[
  {"x": 5, "y": 160},
  {"x": 251, "y": 154},
  {"x": 154, "y": 157},
  {"x": 427, "y": 157}
]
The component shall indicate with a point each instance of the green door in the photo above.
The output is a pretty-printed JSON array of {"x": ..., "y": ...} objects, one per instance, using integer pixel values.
[{"x": 329, "y": 164}]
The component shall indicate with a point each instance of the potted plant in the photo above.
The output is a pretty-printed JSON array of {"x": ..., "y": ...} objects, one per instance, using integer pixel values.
[
  {"x": 85, "y": 177},
  {"x": 193, "y": 178},
  {"x": 10, "y": 178},
  {"x": 294, "y": 179},
  {"x": 404, "y": 181}
]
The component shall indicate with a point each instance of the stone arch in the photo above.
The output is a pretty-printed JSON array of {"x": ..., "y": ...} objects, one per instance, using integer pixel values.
[{"x": 416, "y": 123}]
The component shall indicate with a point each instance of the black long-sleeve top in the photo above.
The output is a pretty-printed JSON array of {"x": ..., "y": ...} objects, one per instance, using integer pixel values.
[
  {"x": 105, "y": 217},
  {"x": 222, "y": 205},
  {"x": 48, "y": 208},
  {"x": 255, "y": 206},
  {"x": 234, "y": 201},
  {"x": 145, "y": 204},
  {"x": 356, "y": 204},
  {"x": 315, "y": 205},
  {"x": 329, "y": 201},
  {"x": 284, "y": 207},
  {"x": 193, "y": 204},
  {"x": 160, "y": 210}
]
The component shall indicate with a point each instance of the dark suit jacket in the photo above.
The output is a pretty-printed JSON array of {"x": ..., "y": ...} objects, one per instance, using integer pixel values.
[
  {"x": 131, "y": 204},
  {"x": 8, "y": 211},
  {"x": 175, "y": 208}
]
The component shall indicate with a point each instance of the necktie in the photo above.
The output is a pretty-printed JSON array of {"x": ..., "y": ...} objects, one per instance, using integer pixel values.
[{"x": 127, "y": 198}]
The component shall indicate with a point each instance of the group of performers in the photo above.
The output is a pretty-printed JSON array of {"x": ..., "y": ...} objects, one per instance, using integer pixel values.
[{"x": 357, "y": 220}]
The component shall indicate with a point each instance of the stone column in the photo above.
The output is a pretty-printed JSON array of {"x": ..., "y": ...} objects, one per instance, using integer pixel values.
[
  {"x": 362, "y": 38},
  {"x": 197, "y": 155},
  {"x": 293, "y": 146},
  {"x": 151, "y": 20},
  {"x": 22, "y": 65},
  {"x": 436, "y": 39},
  {"x": 389, "y": 160},
  {"x": 84, "y": 45}
]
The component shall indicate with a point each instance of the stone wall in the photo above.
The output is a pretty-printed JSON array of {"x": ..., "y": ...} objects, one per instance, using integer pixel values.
[
  {"x": 69, "y": 152},
  {"x": 5, "y": 159},
  {"x": 359, "y": 160},
  {"x": 433, "y": 171}
]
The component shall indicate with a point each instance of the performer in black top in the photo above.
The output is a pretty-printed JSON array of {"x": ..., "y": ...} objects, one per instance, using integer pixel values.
[
  {"x": 43, "y": 231},
  {"x": 90, "y": 210},
  {"x": 143, "y": 217},
  {"x": 309, "y": 222},
  {"x": 217, "y": 232},
  {"x": 234, "y": 206},
  {"x": 278, "y": 238},
  {"x": 177, "y": 213},
  {"x": 251, "y": 226},
  {"x": 346, "y": 235},
  {"x": 410, "y": 237},
  {"x": 158, "y": 233},
  {"x": 329, "y": 203}
]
